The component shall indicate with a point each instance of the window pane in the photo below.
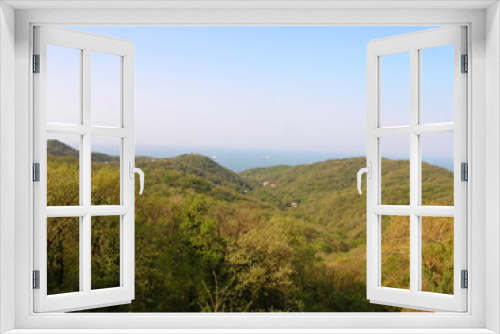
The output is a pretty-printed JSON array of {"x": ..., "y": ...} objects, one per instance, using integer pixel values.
[
  {"x": 437, "y": 169},
  {"x": 437, "y": 84},
  {"x": 437, "y": 254},
  {"x": 105, "y": 89},
  {"x": 63, "y": 85},
  {"x": 63, "y": 169},
  {"x": 395, "y": 89},
  {"x": 63, "y": 255},
  {"x": 105, "y": 170},
  {"x": 396, "y": 251},
  {"x": 395, "y": 168},
  {"x": 105, "y": 252}
]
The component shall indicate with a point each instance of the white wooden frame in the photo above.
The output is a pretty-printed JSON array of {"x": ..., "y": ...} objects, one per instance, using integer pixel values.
[
  {"x": 415, "y": 297},
  {"x": 85, "y": 298},
  {"x": 484, "y": 47}
]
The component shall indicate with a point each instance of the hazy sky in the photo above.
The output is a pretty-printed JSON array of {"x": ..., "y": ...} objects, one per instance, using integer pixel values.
[{"x": 272, "y": 88}]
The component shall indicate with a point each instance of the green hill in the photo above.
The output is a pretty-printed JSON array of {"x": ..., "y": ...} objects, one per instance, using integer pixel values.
[
  {"x": 283, "y": 238},
  {"x": 199, "y": 166},
  {"x": 59, "y": 149},
  {"x": 325, "y": 193},
  {"x": 324, "y": 196}
]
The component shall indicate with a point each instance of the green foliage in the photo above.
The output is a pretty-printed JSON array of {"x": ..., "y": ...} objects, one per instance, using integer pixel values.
[
  {"x": 395, "y": 182},
  {"x": 105, "y": 183},
  {"x": 63, "y": 181},
  {"x": 396, "y": 251},
  {"x": 278, "y": 239},
  {"x": 105, "y": 248},
  {"x": 437, "y": 254},
  {"x": 63, "y": 255}
]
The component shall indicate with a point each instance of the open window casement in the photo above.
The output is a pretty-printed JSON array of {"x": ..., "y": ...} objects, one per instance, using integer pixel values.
[
  {"x": 409, "y": 233},
  {"x": 70, "y": 219}
]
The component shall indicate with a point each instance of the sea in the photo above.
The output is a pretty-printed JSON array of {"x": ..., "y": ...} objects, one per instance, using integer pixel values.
[
  {"x": 239, "y": 160},
  {"x": 242, "y": 159}
]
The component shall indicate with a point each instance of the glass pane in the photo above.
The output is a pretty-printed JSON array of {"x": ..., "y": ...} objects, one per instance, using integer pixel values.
[
  {"x": 437, "y": 169},
  {"x": 395, "y": 89},
  {"x": 396, "y": 251},
  {"x": 105, "y": 252},
  {"x": 63, "y": 255},
  {"x": 437, "y": 254},
  {"x": 105, "y": 89},
  {"x": 63, "y": 169},
  {"x": 437, "y": 84},
  {"x": 63, "y": 85},
  {"x": 395, "y": 165},
  {"x": 105, "y": 170}
]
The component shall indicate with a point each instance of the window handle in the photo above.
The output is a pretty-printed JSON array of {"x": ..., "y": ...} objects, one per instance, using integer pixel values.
[
  {"x": 368, "y": 171},
  {"x": 141, "y": 175}
]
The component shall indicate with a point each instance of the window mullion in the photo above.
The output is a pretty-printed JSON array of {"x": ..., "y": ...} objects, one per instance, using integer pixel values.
[
  {"x": 83, "y": 129},
  {"x": 86, "y": 165},
  {"x": 418, "y": 189},
  {"x": 414, "y": 171}
]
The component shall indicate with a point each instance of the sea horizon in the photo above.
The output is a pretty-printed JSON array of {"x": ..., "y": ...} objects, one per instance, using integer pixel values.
[{"x": 239, "y": 160}]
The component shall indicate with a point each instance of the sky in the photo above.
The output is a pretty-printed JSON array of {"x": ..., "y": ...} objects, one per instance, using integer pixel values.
[{"x": 260, "y": 89}]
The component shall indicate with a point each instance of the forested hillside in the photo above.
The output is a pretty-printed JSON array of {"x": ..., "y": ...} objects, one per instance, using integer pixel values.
[{"x": 265, "y": 240}]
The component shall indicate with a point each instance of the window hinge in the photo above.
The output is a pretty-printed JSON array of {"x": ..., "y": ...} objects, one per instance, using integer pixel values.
[
  {"x": 465, "y": 64},
  {"x": 465, "y": 279},
  {"x": 464, "y": 171},
  {"x": 36, "y": 172},
  {"x": 36, "y": 279},
  {"x": 36, "y": 63}
]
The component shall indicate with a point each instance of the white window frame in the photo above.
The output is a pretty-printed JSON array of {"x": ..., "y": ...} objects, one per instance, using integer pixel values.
[
  {"x": 85, "y": 298},
  {"x": 484, "y": 147},
  {"x": 413, "y": 43}
]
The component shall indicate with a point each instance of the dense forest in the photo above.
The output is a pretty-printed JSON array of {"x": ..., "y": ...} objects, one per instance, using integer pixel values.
[{"x": 277, "y": 239}]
